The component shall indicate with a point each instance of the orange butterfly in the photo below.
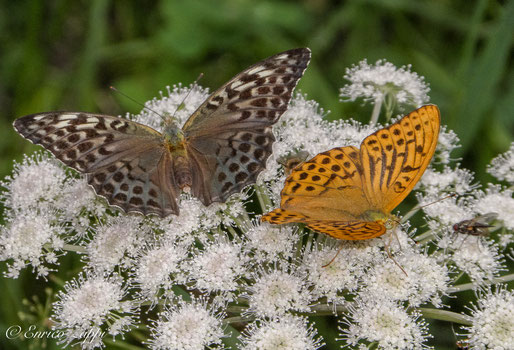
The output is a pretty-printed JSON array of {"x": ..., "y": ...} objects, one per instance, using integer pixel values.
[{"x": 349, "y": 193}]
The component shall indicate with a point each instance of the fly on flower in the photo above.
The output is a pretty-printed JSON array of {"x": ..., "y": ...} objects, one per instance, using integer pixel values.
[
  {"x": 478, "y": 226},
  {"x": 221, "y": 148}
]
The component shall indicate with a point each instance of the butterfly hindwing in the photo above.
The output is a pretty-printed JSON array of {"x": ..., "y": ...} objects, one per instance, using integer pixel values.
[
  {"x": 238, "y": 158},
  {"x": 395, "y": 158},
  {"x": 140, "y": 181},
  {"x": 125, "y": 162},
  {"x": 281, "y": 216},
  {"x": 348, "y": 230},
  {"x": 328, "y": 186},
  {"x": 231, "y": 130}
]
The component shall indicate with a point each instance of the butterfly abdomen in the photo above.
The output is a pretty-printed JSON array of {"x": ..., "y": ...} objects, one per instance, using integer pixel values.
[
  {"x": 182, "y": 171},
  {"x": 176, "y": 144}
]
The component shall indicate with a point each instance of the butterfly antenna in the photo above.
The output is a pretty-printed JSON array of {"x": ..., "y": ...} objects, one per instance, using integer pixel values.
[
  {"x": 335, "y": 256},
  {"x": 182, "y": 103},
  {"x": 135, "y": 101},
  {"x": 416, "y": 208}
]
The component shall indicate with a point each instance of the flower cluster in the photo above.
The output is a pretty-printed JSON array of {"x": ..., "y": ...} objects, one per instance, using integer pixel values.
[{"x": 215, "y": 277}]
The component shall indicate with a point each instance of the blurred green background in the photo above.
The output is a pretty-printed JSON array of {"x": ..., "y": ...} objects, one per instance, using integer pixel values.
[{"x": 64, "y": 55}]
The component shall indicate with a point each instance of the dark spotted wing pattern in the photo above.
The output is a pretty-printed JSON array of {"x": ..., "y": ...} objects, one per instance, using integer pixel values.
[
  {"x": 229, "y": 137},
  {"x": 225, "y": 142},
  {"x": 339, "y": 229},
  {"x": 125, "y": 161},
  {"x": 395, "y": 157}
]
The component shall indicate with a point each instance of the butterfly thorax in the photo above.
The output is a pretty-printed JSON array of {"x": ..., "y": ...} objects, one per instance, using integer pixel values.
[
  {"x": 173, "y": 134},
  {"x": 175, "y": 143},
  {"x": 388, "y": 220}
]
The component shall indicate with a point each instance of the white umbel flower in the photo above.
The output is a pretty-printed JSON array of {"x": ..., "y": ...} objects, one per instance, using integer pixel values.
[
  {"x": 116, "y": 242},
  {"x": 386, "y": 323},
  {"x": 278, "y": 290},
  {"x": 372, "y": 82},
  {"x": 425, "y": 281},
  {"x": 269, "y": 243},
  {"x": 188, "y": 326},
  {"x": 286, "y": 333},
  {"x": 29, "y": 239},
  {"x": 90, "y": 304},
  {"x": 435, "y": 183},
  {"x": 492, "y": 323},
  {"x": 158, "y": 266},
  {"x": 479, "y": 259},
  {"x": 502, "y": 167},
  {"x": 500, "y": 201},
  {"x": 35, "y": 183},
  {"x": 218, "y": 267},
  {"x": 344, "y": 273}
]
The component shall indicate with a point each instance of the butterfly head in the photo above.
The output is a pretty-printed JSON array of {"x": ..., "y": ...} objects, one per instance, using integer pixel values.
[
  {"x": 291, "y": 161},
  {"x": 173, "y": 135},
  {"x": 388, "y": 220}
]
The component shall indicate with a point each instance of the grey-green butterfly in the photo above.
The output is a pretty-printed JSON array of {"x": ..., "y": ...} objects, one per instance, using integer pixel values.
[{"x": 221, "y": 148}]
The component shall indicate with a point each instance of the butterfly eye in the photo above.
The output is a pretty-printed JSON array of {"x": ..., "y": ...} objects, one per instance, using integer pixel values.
[{"x": 456, "y": 227}]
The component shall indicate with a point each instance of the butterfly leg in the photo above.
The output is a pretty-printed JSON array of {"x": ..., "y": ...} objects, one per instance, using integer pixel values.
[
  {"x": 388, "y": 251},
  {"x": 335, "y": 256}
]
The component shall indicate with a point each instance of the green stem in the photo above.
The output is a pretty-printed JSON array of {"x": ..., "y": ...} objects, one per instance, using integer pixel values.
[
  {"x": 444, "y": 315},
  {"x": 120, "y": 344},
  {"x": 264, "y": 200},
  {"x": 327, "y": 310},
  {"x": 74, "y": 248},
  {"x": 468, "y": 286},
  {"x": 234, "y": 233},
  {"x": 389, "y": 104},
  {"x": 236, "y": 309},
  {"x": 425, "y": 237},
  {"x": 376, "y": 110},
  {"x": 238, "y": 319},
  {"x": 410, "y": 214}
]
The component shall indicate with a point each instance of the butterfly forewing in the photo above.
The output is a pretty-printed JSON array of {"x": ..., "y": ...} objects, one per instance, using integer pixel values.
[
  {"x": 125, "y": 162},
  {"x": 233, "y": 126},
  {"x": 394, "y": 158}
]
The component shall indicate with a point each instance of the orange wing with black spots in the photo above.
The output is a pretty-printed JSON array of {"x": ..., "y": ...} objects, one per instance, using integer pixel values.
[
  {"x": 395, "y": 158},
  {"x": 347, "y": 193},
  {"x": 349, "y": 230}
]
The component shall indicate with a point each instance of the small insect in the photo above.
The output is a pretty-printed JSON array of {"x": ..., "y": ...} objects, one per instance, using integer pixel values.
[
  {"x": 478, "y": 226},
  {"x": 462, "y": 345},
  {"x": 291, "y": 161}
]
